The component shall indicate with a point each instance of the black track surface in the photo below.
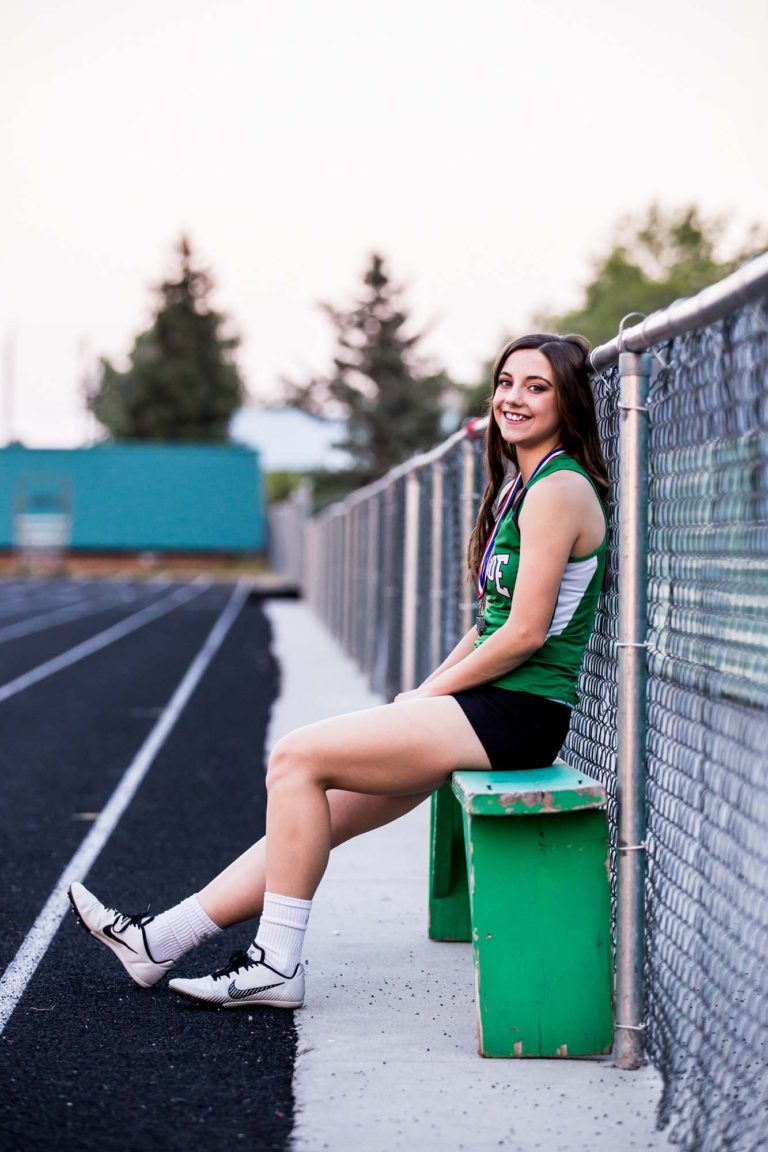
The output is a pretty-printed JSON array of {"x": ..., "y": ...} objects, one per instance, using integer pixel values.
[
  {"x": 89, "y": 1060},
  {"x": 20, "y": 655}
]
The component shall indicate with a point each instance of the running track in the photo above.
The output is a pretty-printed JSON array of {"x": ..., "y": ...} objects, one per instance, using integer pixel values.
[{"x": 133, "y": 720}]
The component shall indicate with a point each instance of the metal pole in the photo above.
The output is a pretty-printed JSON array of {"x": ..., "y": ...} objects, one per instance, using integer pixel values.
[
  {"x": 352, "y": 584},
  {"x": 388, "y": 549},
  {"x": 634, "y": 372},
  {"x": 373, "y": 585},
  {"x": 358, "y": 568},
  {"x": 359, "y": 517},
  {"x": 338, "y": 584},
  {"x": 468, "y": 607},
  {"x": 410, "y": 581},
  {"x": 308, "y": 586},
  {"x": 337, "y": 571},
  {"x": 330, "y": 571},
  {"x": 346, "y": 598},
  {"x": 437, "y": 601},
  {"x": 318, "y": 570}
]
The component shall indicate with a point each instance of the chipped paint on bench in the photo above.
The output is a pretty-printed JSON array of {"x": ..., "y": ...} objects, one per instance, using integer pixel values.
[{"x": 528, "y": 792}]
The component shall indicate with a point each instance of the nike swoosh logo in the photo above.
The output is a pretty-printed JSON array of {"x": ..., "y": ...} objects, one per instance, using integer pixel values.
[
  {"x": 241, "y": 993},
  {"x": 107, "y": 930}
]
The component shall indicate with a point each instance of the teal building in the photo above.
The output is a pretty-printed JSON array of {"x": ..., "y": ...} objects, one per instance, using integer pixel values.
[{"x": 134, "y": 497}]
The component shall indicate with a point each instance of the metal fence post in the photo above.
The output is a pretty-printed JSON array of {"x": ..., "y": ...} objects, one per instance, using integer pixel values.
[
  {"x": 359, "y": 514},
  {"x": 338, "y": 583},
  {"x": 309, "y": 584},
  {"x": 410, "y": 581},
  {"x": 468, "y": 606},
  {"x": 634, "y": 373},
  {"x": 350, "y": 584},
  {"x": 382, "y": 682},
  {"x": 373, "y": 584},
  {"x": 437, "y": 583}
]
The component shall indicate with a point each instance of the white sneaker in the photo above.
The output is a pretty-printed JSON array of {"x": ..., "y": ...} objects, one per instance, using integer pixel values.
[
  {"x": 246, "y": 982},
  {"x": 123, "y": 934}
]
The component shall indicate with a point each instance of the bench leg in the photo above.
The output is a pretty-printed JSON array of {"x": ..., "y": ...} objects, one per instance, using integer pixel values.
[
  {"x": 448, "y": 888},
  {"x": 540, "y": 897}
]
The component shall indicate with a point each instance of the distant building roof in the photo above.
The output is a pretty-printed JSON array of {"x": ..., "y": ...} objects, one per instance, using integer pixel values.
[{"x": 290, "y": 440}]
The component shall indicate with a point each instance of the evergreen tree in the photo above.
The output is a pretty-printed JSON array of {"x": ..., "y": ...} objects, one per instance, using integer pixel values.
[
  {"x": 391, "y": 400},
  {"x": 654, "y": 260},
  {"x": 183, "y": 382}
]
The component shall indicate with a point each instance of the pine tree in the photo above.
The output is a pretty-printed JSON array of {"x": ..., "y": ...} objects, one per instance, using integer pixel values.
[
  {"x": 390, "y": 398},
  {"x": 182, "y": 382}
]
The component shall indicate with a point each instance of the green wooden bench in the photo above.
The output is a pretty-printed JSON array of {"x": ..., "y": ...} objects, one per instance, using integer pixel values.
[{"x": 519, "y": 866}]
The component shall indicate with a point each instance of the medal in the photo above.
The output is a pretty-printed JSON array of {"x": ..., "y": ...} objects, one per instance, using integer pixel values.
[{"x": 480, "y": 623}]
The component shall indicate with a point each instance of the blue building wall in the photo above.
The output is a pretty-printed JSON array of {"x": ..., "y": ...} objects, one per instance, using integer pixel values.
[{"x": 123, "y": 497}]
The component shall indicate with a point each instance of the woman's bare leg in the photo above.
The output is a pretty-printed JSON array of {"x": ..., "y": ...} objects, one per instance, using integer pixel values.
[
  {"x": 237, "y": 893},
  {"x": 394, "y": 750}
]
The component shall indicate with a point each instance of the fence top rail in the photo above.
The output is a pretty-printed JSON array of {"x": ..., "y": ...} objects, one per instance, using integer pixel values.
[
  {"x": 399, "y": 472},
  {"x": 741, "y": 287}
]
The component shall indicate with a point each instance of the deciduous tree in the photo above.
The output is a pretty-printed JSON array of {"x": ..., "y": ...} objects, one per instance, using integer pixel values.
[{"x": 654, "y": 260}]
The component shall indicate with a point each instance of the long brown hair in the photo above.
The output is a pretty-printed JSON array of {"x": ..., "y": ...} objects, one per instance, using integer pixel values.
[{"x": 578, "y": 436}]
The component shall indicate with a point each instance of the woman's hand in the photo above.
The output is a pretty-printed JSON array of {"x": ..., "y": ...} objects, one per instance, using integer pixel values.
[
  {"x": 414, "y": 694},
  {"x": 462, "y": 649}
]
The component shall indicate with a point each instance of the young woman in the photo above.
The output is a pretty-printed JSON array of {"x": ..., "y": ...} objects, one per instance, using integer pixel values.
[{"x": 502, "y": 698}]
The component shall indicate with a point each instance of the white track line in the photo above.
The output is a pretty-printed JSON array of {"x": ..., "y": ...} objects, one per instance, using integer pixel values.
[
  {"x": 27, "y": 598},
  {"x": 24, "y": 964},
  {"x": 54, "y": 616},
  {"x": 101, "y": 640}
]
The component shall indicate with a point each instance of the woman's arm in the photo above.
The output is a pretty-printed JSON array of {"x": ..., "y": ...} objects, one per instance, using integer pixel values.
[
  {"x": 551, "y": 521},
  {"x": 462, "y": 649}
]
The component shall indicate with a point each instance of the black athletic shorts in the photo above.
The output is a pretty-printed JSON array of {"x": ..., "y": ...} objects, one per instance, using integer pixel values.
[{"x": 516, "y": 729}]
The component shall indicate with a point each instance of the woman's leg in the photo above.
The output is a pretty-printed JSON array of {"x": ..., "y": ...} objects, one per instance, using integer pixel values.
[
  {"x": 399, "y": 752},
  {"x": 237, "y": 893},
  {"x": 376, "y": 764},
  {"x": 397, "y": 749}
]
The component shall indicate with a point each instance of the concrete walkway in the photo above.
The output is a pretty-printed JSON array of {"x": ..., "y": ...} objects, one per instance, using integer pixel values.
[{"x": 387, "y": 1053}]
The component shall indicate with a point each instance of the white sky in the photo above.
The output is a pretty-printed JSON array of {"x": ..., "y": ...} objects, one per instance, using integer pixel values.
[{"x": 486, "y": 149}]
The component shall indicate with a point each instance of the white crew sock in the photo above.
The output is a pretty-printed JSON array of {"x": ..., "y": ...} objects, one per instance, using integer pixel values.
[
  {"x": 281, "y": 931},
  {"x": 182, "y": 927}
]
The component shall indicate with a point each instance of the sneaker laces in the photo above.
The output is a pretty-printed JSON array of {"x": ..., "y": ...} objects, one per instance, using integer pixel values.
[
  {"x": 133, "y": 920},
  {"x": 236, "y": 961}
]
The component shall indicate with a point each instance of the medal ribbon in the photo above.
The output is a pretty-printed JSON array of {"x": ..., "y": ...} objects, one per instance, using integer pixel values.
[{"x": 513, "y": 498}]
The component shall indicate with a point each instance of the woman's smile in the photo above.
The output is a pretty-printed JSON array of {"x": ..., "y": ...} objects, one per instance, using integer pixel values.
[{"x": 525, "y": 401}]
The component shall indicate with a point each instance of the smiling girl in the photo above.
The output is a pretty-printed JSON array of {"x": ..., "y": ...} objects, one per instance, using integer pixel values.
[{"x": 501, "y": 699}]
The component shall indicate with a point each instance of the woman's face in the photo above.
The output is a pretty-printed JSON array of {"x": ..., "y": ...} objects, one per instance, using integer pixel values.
[{"x": 525, "y": 403}]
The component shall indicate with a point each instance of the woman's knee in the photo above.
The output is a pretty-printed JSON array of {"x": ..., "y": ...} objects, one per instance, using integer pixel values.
[{"x": 291, "y": 762}]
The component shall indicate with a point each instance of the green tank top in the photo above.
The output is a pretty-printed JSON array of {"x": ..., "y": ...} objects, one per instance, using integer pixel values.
[{"x": 553, "y": 670}]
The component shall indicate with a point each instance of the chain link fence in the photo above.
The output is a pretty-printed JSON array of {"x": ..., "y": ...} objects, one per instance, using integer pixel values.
[
  {"x": 591, "y": 744},
  {"x": 707, "y": 953},
  {"x": 385, "y": 566},
  {"x": 287, "y": 519},
  {"x": 387, "y": 574}
]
